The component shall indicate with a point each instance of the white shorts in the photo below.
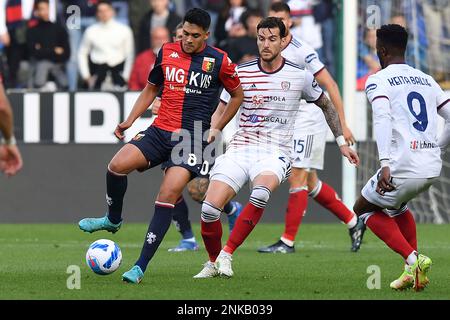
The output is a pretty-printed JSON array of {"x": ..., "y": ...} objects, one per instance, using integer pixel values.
[
  {"x": 237, "y": 166},
  {"x": 308, "y": 150},
  {"x": 392, "y": 202}
]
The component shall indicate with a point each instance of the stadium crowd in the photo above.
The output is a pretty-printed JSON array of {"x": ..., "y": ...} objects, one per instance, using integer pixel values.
[{"x": 111, "y": 45}]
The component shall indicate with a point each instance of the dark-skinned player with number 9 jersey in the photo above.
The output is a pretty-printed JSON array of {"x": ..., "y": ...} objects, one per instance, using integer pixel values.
[{"x": 191, "y": 75}]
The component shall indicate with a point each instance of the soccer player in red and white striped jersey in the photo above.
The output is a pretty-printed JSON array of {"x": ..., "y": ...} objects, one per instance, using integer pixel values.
[
  {"x": 308, "y": 148},
  {"x": 259, "y": 151}
]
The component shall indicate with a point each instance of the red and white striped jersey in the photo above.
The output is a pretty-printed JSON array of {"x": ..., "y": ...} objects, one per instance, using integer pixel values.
[
  {"x": 271, "y": 102},
  {"x": 310, "y": 118}
]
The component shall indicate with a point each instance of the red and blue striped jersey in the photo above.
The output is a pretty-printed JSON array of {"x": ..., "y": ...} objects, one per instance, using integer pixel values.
[{"x": 191, "y": 85}]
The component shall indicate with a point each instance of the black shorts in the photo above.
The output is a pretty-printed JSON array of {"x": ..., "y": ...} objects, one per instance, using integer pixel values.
[{"x": 158, "y": 148}]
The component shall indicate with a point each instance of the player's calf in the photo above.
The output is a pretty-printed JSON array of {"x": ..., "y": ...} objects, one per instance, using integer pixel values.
[{"x": 197, "y": 189}]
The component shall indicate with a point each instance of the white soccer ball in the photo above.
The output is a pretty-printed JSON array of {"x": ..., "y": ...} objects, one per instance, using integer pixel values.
[{"x": 103, "y": 256}]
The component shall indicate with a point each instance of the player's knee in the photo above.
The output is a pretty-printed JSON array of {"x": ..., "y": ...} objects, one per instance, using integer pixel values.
[
  {"x": 259, "y": 196},
  {"x": 197, "y": 189},
  {"x": 313, "y": 186},
  {"x": 210, "y": 213},
  {"x": 298, "y": 178},
  {"x": 168, "y": 195},
  {"x": 116, "y": 167}
]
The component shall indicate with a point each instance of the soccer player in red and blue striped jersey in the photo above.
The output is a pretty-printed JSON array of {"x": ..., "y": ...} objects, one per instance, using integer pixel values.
[{"x": 191, "y": 75}]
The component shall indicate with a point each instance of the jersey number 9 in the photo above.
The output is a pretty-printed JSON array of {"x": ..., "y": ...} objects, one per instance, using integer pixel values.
[{"x": 422, "y": 117}]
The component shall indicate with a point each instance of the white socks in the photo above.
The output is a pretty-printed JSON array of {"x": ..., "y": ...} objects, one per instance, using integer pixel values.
[
  {"x": 412, "y": 258},
  {"x": 287, "y": 242},
  {"x": 352, "y": 222}
]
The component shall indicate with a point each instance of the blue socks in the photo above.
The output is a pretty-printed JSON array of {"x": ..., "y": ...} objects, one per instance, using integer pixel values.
[
  {"x": 228, "y": 208},
  {"x": 156, "y": 231},
  {"x": 116, "y": 186},
  {"x": 181, "y": 217}
]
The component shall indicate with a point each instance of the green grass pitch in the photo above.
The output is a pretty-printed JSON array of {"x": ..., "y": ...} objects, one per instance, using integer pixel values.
[{"x": 35, "y": 258}]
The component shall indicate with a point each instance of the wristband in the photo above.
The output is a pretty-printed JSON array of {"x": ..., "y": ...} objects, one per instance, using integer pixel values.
[
  {"x": 341, "y": 141},
  {"x": 384, "y": 163},
  {"x": 9, "y": 142}
]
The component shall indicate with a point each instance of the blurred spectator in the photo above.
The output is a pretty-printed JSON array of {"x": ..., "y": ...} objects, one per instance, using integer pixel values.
[
  {"x": 48, "y": 47},
  {"x": 228, "y": 22},
  {"x": 368, "y": 62},
  {"x": 136, "y": 10},
  {"x": 14, "y": 16},
  {"x": 437, "y": 19},
  {"x": 323, "y": 13},
  {"x": 87, "y": 18},
  {"x": 159, "y": 36},
  {"x": 410, "y": 52},
  {"x": 121, "y": 8},
  {"x": 158, "y": 16},
  {"x": 305, "y": 27},
  {"x": 145, "y": 61},
  {"x": 244, "y": 48},
  {"x": 177, "y": 34},
  {"x": 107, "y": 47},
  {"x": 214, "y": 8}
]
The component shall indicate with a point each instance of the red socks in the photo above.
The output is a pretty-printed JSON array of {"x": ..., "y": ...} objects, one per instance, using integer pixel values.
[
  {"x": 328, "y": 198},
  {"x": 245, "y": 223},
  {"x": 387, "y": 230},
  {"x": 297, "y": 203},
  {"x": 407, "y": 226},
  {"x": 212, "y": 237}
]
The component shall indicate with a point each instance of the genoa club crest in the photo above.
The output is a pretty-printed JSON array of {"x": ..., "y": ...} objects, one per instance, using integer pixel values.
[
  {"x": 208, "y": 64},
  {"x": 285, "y": 85}
]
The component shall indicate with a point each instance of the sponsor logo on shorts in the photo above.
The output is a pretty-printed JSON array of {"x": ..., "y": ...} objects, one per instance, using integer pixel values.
[
  {"x": 314, "y": 84},
  {"x": 139, "y": 136}
]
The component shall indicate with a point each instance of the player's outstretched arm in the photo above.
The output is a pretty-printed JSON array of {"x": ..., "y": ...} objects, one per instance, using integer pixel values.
[
  {"x": 142, "y": 103},
  {"x": 326, "y": 81},
  {"x": 334, "y": 123}
]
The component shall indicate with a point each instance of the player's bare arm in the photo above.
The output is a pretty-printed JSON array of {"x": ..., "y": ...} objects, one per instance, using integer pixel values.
[
  {"x": 10, "y": 157},
  {"x": 228, "y": 113},
  {"x": 218, "y": 114},
  {"x": 142, "y": 103},
  {"x": 6, "y": 117},
  {"x": 333, "y": 121},
  {"x": 330, "y": 115},
  {"x": 326, "y": 81},
  {"x": 233, "y": 105}
]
